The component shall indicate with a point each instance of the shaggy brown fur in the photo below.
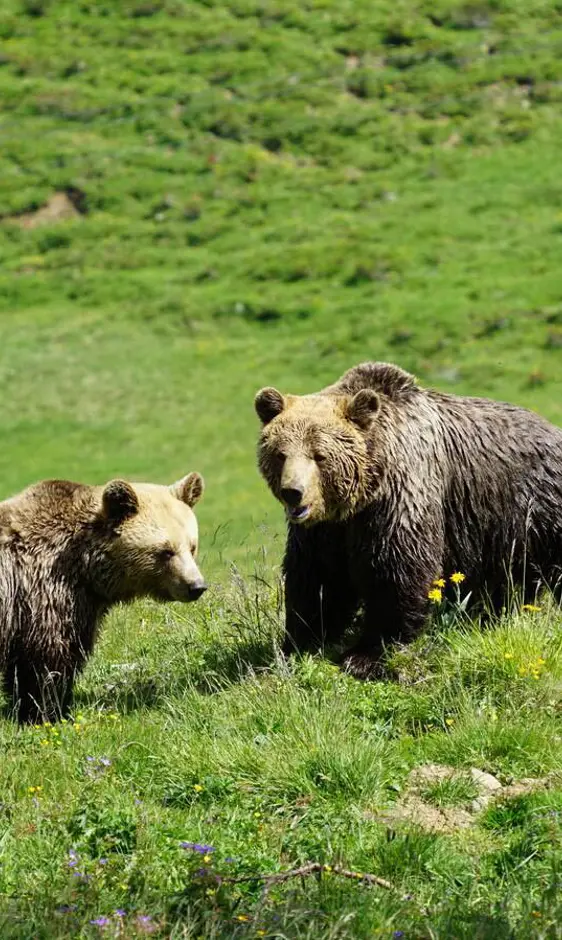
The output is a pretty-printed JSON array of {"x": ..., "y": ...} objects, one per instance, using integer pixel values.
[
  {"x": 387, "y": 486},
  {"x": 68, "y": 552}
]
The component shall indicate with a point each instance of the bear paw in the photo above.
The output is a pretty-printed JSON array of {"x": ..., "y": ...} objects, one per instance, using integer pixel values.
[{"x": 361, "y": 665}]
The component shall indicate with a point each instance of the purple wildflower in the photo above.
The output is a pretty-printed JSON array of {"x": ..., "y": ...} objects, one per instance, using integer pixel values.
[
  {"x": 120, "y": 912},
  {"x": 100, "y": 922},
  {"x": 197, "y": 847},
  {"x": 229, "y": 860},
  {"x": 398, "y": 933},
  {"x": 102, "y": 861},
  {"x": 105, "y": 761}
]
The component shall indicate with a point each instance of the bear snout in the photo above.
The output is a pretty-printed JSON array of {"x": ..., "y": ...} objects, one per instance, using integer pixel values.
[
  {"x": 196, "y": 590},
  {"x": 292, "y": 495}
]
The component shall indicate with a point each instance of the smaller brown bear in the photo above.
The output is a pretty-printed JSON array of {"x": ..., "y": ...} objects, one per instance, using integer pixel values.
[
  {"x": 388, "y": 486},
  {"x": 69, "y": 552}
]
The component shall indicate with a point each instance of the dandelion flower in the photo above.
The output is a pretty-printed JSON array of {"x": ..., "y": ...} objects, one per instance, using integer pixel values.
[
  {"x": 458, "y": 577},
  {"x": 435, "y": 595},
  {"x": 439, "y": 582},
  {"x": 532, "y": 608},
  {"x": 198, "y": 788}
]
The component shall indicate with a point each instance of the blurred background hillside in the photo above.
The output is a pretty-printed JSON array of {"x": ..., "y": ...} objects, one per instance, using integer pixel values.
[{"x": 200, "y": 198}]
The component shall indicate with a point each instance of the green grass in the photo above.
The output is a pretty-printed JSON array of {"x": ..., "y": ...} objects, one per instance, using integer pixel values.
[
  {"x": 271, "y": 192},
  {"x": 192, "y": 730}
]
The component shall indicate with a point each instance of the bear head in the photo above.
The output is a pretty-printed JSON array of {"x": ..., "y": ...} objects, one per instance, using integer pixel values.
[
  {"x": 325, "y": 455},
  {"x": 313, "y": 451},
  {"x": 150, "y": 540}
]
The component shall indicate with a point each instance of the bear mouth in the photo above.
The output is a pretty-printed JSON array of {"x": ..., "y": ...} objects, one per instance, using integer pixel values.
[{"x": 298, "y": 513}]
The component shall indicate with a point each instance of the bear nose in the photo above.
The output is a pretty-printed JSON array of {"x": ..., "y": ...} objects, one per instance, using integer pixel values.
[
  {"x": 291, "y": 495},
  {"x": 197, "y": 589}
]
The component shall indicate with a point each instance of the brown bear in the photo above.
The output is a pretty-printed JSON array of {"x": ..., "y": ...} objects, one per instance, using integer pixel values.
[
  {"x": 68, "y": 552},
  {"x": 387, "y": 486}
]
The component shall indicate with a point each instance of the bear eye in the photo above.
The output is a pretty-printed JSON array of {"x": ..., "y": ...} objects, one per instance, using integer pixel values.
[
  {"x": 319, "y": 457},
  {"x": 166, "y": 554}
]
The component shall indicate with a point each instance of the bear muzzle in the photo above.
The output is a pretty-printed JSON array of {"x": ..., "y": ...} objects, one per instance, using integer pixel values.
[{"x": 196, "y": 590}]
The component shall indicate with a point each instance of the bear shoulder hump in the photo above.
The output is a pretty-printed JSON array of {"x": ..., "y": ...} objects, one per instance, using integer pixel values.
[{"x": 384, "y": 377}]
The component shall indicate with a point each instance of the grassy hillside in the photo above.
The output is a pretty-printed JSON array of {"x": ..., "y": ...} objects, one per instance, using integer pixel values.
[{"x": 266, "y": 192}]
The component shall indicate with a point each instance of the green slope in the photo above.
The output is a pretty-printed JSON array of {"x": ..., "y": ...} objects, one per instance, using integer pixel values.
[
  {"x": 268, "y": 192},
  {"x": 272, "y": 191}
]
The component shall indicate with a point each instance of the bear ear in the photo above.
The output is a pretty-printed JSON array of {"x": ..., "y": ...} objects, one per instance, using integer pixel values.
[
  {"x": 190, "y": 489},
  {"x": 119, "y": 501},
  {"x": 268, "y": 403},
  {"x": 362, "y": 408}
]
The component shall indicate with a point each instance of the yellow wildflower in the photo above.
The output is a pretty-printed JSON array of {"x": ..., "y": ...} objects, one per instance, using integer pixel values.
[
  {"x": 260, "y": 933},
  {"x": 327, "y": 868},
  {"x": 532, "y": 608},
  {"x": 34, "y": 789},
  {"x": 210, "y": 892},
  {"x": 522, "y": 671},
  {"x": 508, "y": 655},
  {"x": 243, "y": 918},
  {"x": 207, "y": 859},
  {"x": 458, "y": 577},
  {"x": 541, "y": 662},
  {"x": 197, "y": 787},
  {"x": 435, "y": 595},
  {"x": 439, "y": 582},
  {"x": 449, "y": 721}
]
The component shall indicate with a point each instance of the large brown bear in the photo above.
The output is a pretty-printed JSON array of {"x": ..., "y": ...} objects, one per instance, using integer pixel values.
[
  {"x": 68, "y": 552},
  {"x": 387, "y": 485}
]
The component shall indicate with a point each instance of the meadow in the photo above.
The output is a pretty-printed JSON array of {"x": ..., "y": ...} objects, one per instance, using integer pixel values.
[{"x": 264, "y": 192}]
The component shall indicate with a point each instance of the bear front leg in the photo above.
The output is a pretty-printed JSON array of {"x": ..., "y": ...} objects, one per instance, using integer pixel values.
[
  {"x": 391, "y": 615},
  {"x": 36, "y": 694},
  {"x": 320, "y": 600}
]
